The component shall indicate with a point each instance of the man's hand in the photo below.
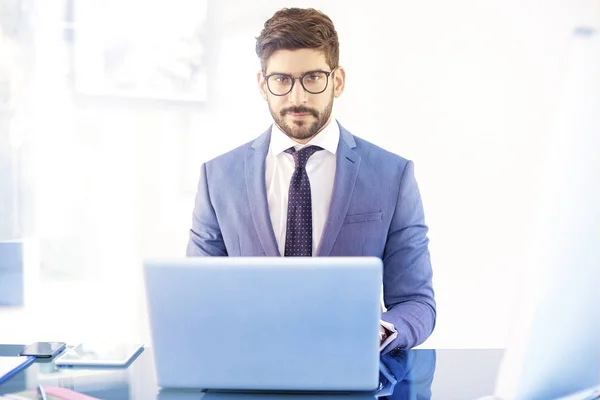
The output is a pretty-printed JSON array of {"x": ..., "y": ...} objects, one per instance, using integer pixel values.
[
  {"x": 387, "y": 333},
  {"x": 383, "y": 333}
]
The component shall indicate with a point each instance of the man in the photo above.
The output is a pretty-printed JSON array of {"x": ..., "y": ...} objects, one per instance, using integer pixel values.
[{"x": 308, "y": 187}]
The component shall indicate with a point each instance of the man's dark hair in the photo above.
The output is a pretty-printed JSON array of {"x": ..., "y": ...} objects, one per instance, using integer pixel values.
[{"x": 298, "y": 28}]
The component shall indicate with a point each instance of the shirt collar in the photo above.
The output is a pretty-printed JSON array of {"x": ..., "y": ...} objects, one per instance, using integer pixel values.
[{"x": 328, "y": 139}]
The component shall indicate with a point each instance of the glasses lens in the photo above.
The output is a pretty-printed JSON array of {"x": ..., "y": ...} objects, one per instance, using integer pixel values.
[
  {"x": 280, "y": 84},
  {"x": 315, "y": 82}
]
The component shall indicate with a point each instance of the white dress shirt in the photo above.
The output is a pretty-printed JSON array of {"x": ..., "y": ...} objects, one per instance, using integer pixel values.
[{"x": 320, "y": 169}]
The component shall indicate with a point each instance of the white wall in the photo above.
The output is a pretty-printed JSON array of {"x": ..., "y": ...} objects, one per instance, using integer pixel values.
[{"x": 466, "y": 89}]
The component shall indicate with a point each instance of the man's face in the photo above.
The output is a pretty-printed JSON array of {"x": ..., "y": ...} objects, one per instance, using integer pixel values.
[{"x": 300, "y": 114}]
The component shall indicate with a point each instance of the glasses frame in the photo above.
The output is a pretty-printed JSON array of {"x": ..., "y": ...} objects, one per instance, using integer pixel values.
[{"x": 301, "y": 79}]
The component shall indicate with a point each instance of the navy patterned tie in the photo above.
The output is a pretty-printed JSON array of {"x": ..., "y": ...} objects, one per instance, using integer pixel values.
[{"x": 298, "y": 238}]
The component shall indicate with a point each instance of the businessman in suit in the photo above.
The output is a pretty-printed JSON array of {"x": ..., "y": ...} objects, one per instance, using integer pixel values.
[{"x": 308, "y": 187}]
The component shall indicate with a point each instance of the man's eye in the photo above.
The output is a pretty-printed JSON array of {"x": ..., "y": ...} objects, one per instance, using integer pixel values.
[
  {"x": 313, "y": 77},
  {"x": 282, "y": 79}
]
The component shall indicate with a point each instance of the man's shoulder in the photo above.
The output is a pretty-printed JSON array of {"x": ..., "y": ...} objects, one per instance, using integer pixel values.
[
  {"x": 375, "y": 154},
  {"x": 238, "y": 154},
  {"x": 235, "y": 154}
]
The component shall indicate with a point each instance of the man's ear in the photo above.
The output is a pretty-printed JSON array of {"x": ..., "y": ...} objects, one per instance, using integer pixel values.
[
  {"x": 262, "y": 84},
  {"x": 339, "y": 81}
]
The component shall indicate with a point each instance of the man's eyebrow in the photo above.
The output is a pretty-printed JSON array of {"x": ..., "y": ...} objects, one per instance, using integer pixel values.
[
  {"x": 301, "y": 74},
  {"x": 278, "y": 73}
]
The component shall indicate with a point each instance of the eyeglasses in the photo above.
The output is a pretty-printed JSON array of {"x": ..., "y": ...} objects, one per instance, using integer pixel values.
[{"x": 313, "y": 82}]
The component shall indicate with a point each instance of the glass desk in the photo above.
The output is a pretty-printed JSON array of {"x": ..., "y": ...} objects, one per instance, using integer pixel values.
[{"x": 421, "y": 374}]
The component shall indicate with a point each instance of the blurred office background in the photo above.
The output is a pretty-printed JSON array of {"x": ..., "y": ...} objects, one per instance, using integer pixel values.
[{"x": 108, "y": 108}]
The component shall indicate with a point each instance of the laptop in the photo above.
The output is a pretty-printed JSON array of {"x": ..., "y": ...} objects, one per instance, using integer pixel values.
[{"x": 265, "y": 323}]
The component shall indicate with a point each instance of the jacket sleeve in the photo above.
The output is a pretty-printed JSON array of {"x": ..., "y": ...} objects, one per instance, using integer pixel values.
[{"x": 407, "y": 273}]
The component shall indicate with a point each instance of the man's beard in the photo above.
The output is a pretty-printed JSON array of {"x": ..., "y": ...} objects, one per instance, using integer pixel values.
[{"x": 300, "y": 129}]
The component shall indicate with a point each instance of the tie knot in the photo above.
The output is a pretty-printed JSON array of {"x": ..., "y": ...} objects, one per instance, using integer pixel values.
[{"x": 301, "y": 156}]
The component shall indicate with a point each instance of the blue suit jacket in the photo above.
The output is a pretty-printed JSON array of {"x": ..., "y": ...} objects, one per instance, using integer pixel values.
[{"x": 375, "y": 210}]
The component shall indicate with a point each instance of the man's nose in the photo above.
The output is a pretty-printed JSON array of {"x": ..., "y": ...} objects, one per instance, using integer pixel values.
[{"x": 298, "y": 95}]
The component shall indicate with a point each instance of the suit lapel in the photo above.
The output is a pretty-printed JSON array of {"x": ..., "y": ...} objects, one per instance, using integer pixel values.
[
  {"x": 347, "y": 165},
  {"x": 254, "y": 165}
]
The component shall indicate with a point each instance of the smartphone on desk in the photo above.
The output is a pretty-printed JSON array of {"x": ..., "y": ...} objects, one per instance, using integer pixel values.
[
  {"x": 100, "y": 355},
  {"x": 43, "y": 349}
]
